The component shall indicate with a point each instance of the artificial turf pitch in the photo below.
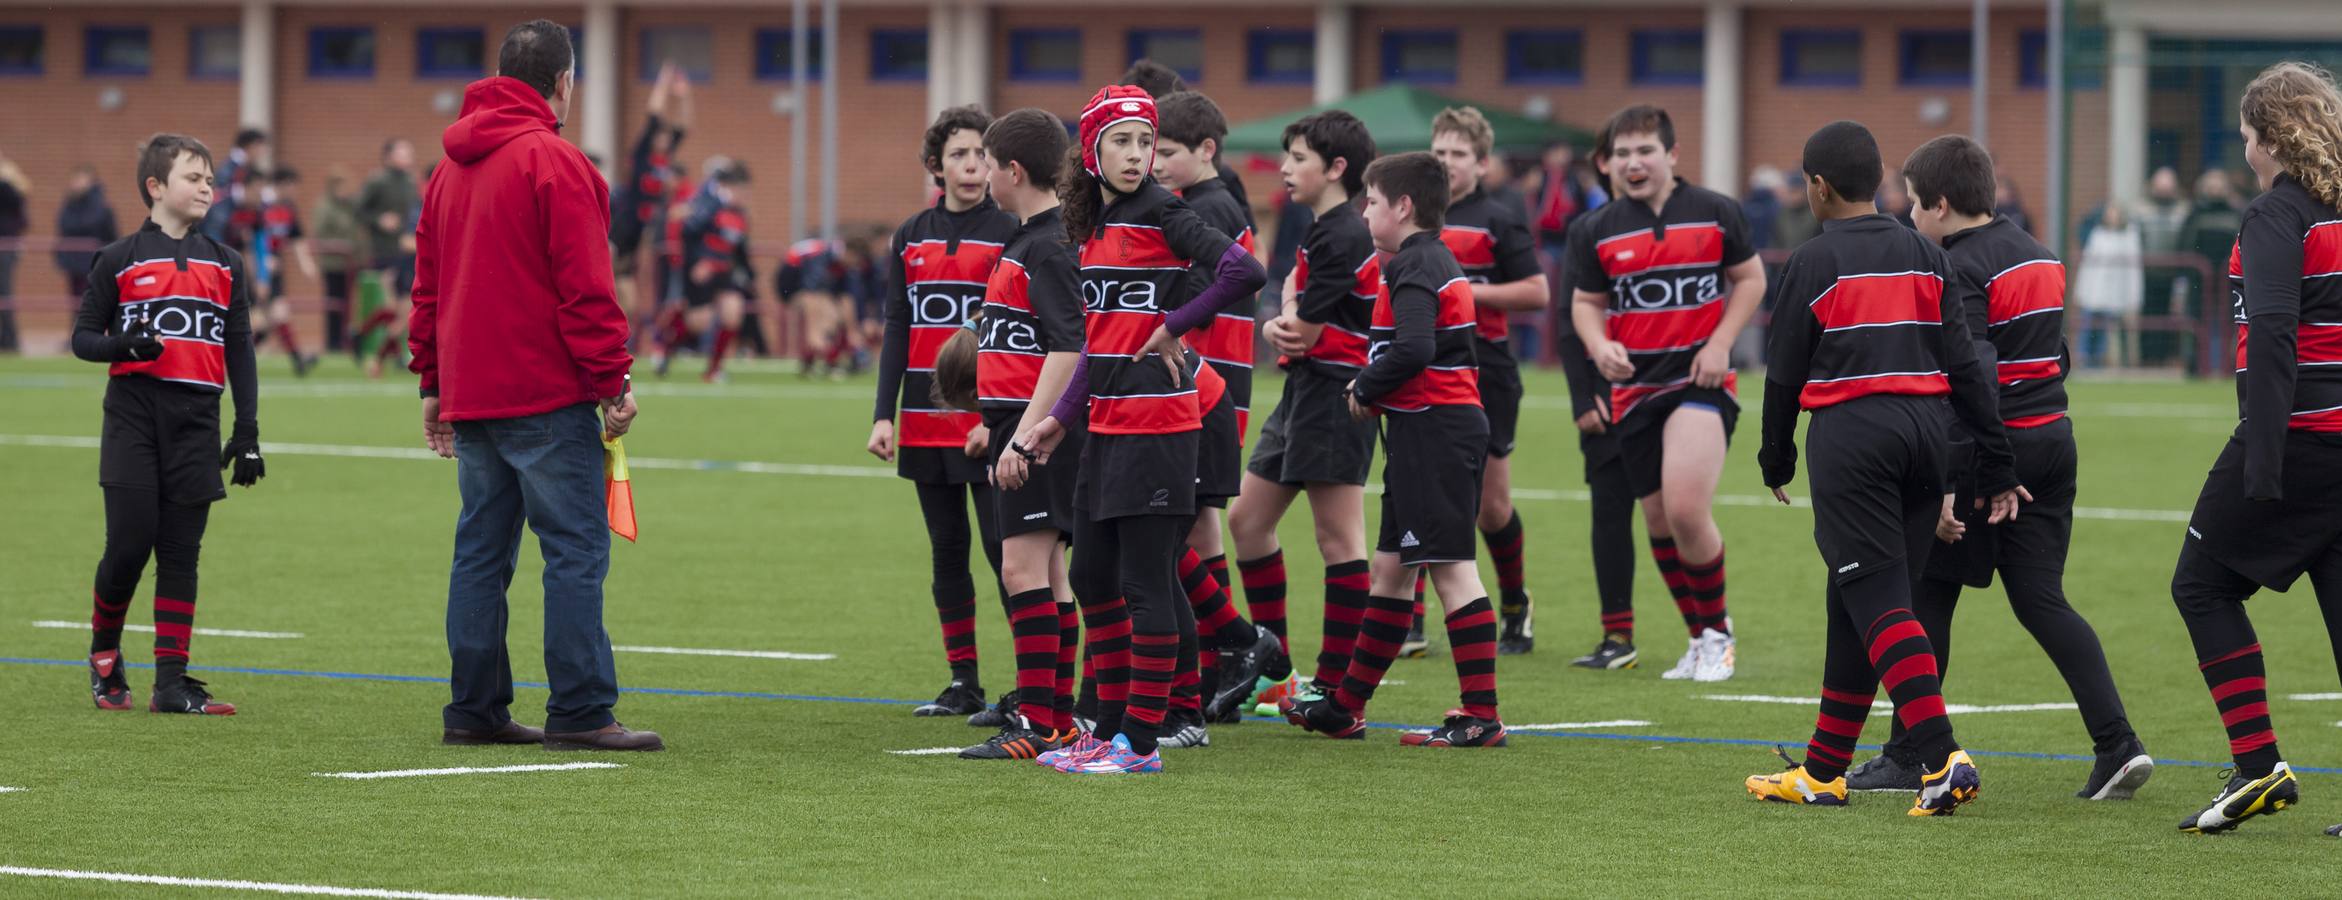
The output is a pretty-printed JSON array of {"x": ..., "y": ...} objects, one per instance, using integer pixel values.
[{"x": 765, "y": 527}]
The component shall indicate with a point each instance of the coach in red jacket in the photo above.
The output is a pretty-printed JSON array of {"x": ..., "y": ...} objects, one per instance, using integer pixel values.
[{"x": 518, "y": 338}]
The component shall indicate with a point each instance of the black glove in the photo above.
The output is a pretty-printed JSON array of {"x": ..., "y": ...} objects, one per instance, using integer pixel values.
[
  {"x": 138, "y": 343},
  {"x": 243, "y": 451},
  {"x": 1779, "y": 465}
]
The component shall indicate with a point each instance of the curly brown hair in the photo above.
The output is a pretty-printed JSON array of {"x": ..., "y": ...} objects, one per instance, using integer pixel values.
[{"x": 2298, "y": 114}]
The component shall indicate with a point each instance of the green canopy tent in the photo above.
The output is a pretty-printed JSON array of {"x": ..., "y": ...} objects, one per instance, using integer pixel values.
[{"x": 1400, "y": 117}]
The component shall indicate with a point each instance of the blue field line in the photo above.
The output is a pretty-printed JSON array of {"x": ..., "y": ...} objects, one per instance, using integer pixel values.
[{"x": 882, "y": 701}]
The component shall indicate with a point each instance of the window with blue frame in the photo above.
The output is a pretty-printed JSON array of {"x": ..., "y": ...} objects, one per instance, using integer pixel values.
[
  {"x": 1045, "y": 54},
  {"x": 898, "y": 54},
  {"x": 1544, "y": 56},
  {"x": 215, "y": 51},
  {"x": 451, "y": 53},
  {"x": 1180, "y": 48},
  {"x": 341, "y": 52},
  {"x": 689, "y": 47},
  {"x": 776, "y": 54},
  {"x": 113, "y": 50},
  {"x": 1280, "y": 56},
  {"x": 1935, "y": 57},
  {"x": 1419, "y": 57},
  {"x": 20, "y": 49},
  {"x": 1813, "y": 57},
  {"x": 2084, "y": 53},
  {"x": 1667, "y": 56}
]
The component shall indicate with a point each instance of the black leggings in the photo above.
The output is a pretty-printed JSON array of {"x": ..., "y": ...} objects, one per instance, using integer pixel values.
[
  {"x": 1613, "y": 535},
  {"x": 140, "y": 524},
  {"x": 945, "y": 507},
  {"x": 1136, "y": 558},
  {"x": 2211, "y": 600},
  {"x": 2037, "y": 596},
  {"x": 1856, "y": 610}
]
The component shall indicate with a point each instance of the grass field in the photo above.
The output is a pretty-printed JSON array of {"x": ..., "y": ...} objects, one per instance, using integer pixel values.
[{"x": 765, "y": 527}]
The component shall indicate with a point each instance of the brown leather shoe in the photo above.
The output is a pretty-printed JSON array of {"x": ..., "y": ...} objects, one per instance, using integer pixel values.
[
  {"x": 610, "y": 737},
  {"x": 510, "y": 732}
]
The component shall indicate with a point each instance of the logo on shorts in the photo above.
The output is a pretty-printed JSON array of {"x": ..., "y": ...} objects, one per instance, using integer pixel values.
[
  {"x": 1162, "y": 498},
  {"x": 1849, "y": 567},
  {"x": 1408, "y": 540},
  {"x": 2192, "y": 532},
  {"x": 1039, "y": 515}
]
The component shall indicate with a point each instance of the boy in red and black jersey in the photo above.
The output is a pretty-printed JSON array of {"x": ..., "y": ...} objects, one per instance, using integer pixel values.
[
  {"x": 1310, "y": 443},
  {"x": 2014, "y": 301},
  {"x": 938, "y": 263},
  {"x": 1422, "y": 379},
  {"x": 638, "y": 204},
  {"x": 1611, "y": 504},
  {"x": 170, "y": 309},
  {"x": 1665, "y": 279},
  {"x": 1870, "y": 333},
  {"x": 1490, "y": 240},
  {"x": 2271, "y": 507},
  {"x": 280, "y": 240},
  {"x": 718, "y": 277},
  {"x": 1187, "y": 152}
]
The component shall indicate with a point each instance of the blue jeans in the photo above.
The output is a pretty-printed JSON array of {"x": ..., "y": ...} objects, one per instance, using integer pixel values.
[{"x": 545, "y": 470}]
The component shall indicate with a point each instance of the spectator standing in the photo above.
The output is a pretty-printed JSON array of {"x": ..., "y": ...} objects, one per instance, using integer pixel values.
[
  {"x": 340, "y": 243},
  {"x": 13, "y": 222},
  {"x": 85, "y": 215},
  {"x": 2110, "y": 285},
  {"x": 1762, "y": 206}
]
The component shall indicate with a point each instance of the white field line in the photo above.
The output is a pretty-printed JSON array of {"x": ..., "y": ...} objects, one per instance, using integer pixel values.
[
  {"x": 207, "y": 632},
  {"x": 1572, "y": 726},
  {"x": 926, "y": 751},
  {"x": 2313, "y": 696},
  {"x": 269, "y": 887},
  {"x": 478, "y": 770},
  {"x": 743, "y": 654},
  {"x": 10, "y": 790},
  {"x": 832, "y": 471},
  {"x": 1882, "y": 707}
]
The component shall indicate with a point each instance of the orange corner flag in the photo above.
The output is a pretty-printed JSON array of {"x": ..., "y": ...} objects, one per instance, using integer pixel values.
[{"x": 621, "y": 488}]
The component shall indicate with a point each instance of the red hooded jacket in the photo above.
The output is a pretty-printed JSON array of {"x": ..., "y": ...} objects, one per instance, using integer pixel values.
[{"x": 515, "y": 310}]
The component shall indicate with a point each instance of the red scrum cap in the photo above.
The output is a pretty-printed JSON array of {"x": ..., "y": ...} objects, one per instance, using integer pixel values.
[{"x": 1114, "y": 104}]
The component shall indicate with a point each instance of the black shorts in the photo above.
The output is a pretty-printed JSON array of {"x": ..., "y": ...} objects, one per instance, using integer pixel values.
[
  {"x": 1500, "y": 395},
  {"x": 1869, "y": 463},
  {"x": 2042, "y": 531},
  {"x": 1046, "y": 500},
  {"x": 1219, "y": 456},
  {"x": 2273, "y": 542},
  {"x": 940, "y": 465},
  {"x": 1138, "y": 475},
  {"x": 1310, "y": 438},
  {"x": 1642, "y": 438},
  {"x": 161, "y": 437},
  {"x": 1598, "y": 451},
  {"x": 1431, "y": 484}
]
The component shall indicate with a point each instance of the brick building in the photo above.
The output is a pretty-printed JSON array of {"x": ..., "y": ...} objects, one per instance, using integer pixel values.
[{"x": 1747, "y": 79}]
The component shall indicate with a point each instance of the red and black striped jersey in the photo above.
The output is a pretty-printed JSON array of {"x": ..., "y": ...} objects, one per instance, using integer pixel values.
[
  {"x": 1337, "y": 279},
  {"x": 2016, "y": 299},
  {"x": 715, "y": 233},
  {"x": 1421, "y": 351},
  {"x": 1032, "y": 308},
  {"x": 1226, "y": 343},
  {"x": 2285, "y": 290},
  {"x": 1664, "y": 274},
  {"x": 1490, "y": 240},
  {"x": 941, "y": 263},
  {"x": 1133, "y": 269},
  {"x": 192, "y": 292},
  {"x": 1861, "y": 310}
]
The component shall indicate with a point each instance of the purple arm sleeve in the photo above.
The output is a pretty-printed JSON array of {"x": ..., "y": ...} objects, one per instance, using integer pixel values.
[
  {"x": 1238, "y": 276},
  {"x": 1074, "y": 405}
]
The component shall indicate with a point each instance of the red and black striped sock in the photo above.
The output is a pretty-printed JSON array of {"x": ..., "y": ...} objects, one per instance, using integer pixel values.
[
  {"x": 1422, "y": 581},
  {"x": 1264, "y": 593},
  {"x": 1108, "y": 624},
  {"x": 1835, "y": 731},
  {"x": 724, "y": 339},
  {"x": 1154, "y": 662},
  {"x": 1380, "y": 632},
  {"x": 1905, "y": 663},
  {"x": 1678, "y": 585},
  {"x": 1504, "y": 549},
  {"x": 1069, "y": 650},
  {"x": 1345, "y": 605},
  {"x": 1032, "y": 619},
  {"x": 1471, "y": 637},
  {"x": 959, "y": 637},
  {"x": 284, "y": 335},
  {"x": 174, "y": 628},
  {"x": 105, "y": 620},
  {"x": 390, "y": 348},
  {"x": 1218, "y": 565},
  {"x": 1187, "y": 680},
  {"x": 1621, "y": 623},
  {"x": 2240, "y": 690},
  {"x": 1215, "y": 617},
  {"x": 1707, "y": 593}
]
